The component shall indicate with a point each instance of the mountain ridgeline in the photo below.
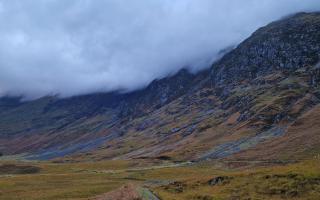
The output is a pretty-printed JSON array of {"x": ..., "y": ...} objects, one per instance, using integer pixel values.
[{"x": 260, "y": 100}]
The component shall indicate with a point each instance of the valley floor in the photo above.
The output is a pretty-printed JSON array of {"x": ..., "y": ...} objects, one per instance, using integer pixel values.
[{"x": 153, "y": 180}]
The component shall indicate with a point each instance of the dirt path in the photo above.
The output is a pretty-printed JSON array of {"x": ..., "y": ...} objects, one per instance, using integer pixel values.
[
  {"x": 146, "y": 194},
  {"x": 127, "y": 192}
]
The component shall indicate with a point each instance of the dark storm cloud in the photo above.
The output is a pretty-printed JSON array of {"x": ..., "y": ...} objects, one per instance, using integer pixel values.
[{"x": 71, "y": 47}]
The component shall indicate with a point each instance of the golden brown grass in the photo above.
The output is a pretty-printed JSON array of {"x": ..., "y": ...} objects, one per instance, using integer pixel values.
[
  {"x": 77, "y": 181},
  {"x": 294, "y": 181}
]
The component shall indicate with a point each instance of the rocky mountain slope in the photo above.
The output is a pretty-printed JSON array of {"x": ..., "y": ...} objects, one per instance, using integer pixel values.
[{"x": 259, "y": 101}]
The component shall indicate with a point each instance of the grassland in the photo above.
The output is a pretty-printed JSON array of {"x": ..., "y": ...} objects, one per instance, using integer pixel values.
[{"x": 202, "y": 181}]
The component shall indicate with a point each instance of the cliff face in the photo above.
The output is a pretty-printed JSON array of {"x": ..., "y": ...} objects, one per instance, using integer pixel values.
[
  {"x": 284, "y": 45},
  {"x": 264, "y": 91}
]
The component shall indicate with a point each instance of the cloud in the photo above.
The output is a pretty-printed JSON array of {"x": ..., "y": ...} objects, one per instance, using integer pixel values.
[{"x": 82, "y": 46}]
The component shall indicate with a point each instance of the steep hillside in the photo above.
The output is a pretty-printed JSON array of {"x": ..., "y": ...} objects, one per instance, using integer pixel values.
[{"x": 262, "y": 98}]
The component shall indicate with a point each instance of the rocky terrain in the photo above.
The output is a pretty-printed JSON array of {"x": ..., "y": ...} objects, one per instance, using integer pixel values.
[{"x": 260, "y": 101}]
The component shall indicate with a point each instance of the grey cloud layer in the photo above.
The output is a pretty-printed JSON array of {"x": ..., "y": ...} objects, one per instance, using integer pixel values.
[{"x": 71, "y": 47}]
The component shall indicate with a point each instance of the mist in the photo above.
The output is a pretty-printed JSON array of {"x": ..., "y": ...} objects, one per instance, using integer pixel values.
[{"x": 73, "y": 47}]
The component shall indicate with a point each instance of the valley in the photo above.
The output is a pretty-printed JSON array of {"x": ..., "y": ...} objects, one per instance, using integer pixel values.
[{"x": 246, "y": 128}]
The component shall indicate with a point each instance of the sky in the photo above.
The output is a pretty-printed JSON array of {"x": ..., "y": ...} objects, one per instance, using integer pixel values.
[{"x": 74, "y": 47}]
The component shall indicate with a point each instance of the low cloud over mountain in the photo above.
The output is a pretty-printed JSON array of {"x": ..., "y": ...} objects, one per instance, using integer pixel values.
[{"x": 81, "y": 46}]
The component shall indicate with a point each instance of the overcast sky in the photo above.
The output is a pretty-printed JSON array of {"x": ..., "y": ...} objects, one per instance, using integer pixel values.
[{"x": 72, "y": 47}]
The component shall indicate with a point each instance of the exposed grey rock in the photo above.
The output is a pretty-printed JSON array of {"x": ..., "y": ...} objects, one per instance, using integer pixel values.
[
  {"x": 219, "y": 180},
  {"x": 287, "y": 44}
]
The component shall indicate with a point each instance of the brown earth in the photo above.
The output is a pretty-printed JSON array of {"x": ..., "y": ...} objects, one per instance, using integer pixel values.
[
  {"x": 127, "y": 192},
  {"x": 18, "y": 169}
]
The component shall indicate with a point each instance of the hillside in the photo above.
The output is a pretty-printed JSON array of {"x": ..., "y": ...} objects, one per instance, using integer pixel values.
[{"x": 259, "y": 101}]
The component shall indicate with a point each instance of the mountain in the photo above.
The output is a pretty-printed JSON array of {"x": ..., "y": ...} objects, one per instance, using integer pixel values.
[{"x": 261, "y": 100}]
